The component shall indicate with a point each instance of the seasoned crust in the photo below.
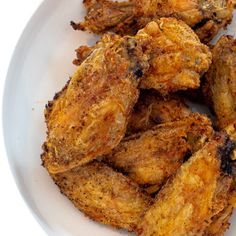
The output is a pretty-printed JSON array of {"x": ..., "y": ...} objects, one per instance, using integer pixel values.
[
  {"x": 104, "y": 195},
  {"x": 151, "y": 157},
  {"x": 199, "y": 191},
  {"x": 89, "y": 116},
  {"x": 153, "y": 109},
  {"x": 220, "y": 84},
  {"x": 220, "y": 222},
  {"x": 178, "y": 58},
  {"x": 206, "y": 17}
]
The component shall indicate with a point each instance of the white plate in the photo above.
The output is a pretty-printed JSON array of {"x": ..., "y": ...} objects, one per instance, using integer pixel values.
[{"x": 40, "y": 66}]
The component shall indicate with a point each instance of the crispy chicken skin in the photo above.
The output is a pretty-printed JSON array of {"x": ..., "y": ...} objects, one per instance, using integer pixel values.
[
  {"x": 178, "y": 58},
  {"x": 89, "y": 116},
  {"x": 220, "y": 222},
  {"x": 151, "y": 157},
  {"x": 231, "y": 130},
  {"x": 206, "y": 17},
  {"x": 104, "y": 195},
  {"x": 199, "y": 191},
  {"x": 220, "y": 85},
  {"x": 153, "y": 109},
  {"x": 84, "y": 51}
]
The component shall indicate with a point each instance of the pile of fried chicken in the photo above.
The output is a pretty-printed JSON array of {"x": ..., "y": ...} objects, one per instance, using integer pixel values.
[{"x": 123, "y": 145}]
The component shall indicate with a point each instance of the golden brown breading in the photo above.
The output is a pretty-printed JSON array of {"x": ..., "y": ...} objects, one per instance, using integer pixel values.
[
  {"x": 153, "y": 109},
  {"x": 104, "y": 195},
  {"x": 178, "y": 58},
  {"x": 151, "y": 157},
  {"x": 89, "y": 117},
  {"x": 206, "y": 17},
  {"x": 199, "y": 191},
  {"x": 220, "y": 86},
  {"x": 220, "y": 222},
  {"x": 84, "y": 51},
  {"x": 231, "y": 130}
]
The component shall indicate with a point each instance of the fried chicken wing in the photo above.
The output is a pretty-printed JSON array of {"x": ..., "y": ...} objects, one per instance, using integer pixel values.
[
  {"x": 220, "y": 86},
  {"x": 104, "y": 195},
  {"x": 89, "y": 117},
  {"x": 178, "y": 58},
  {"x": 199, "y": 191},
  {"x": 151, "y": 157},
  {"x": 206, "y": 17},
  {"x": 153, "y": 109}
]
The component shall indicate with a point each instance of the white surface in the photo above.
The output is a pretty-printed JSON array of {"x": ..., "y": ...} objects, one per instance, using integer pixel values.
[
  {"x": 41, "y": 66},
  {"x": 15, "y": 217}
]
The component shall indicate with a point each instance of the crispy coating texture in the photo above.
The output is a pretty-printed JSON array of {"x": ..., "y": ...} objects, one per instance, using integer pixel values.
[
  {"x": 178, "y": 58},
  {"x": 220, "y": 223},
  {"x": 88, "y": 118},
  {"x": 153, "y": 109},
  {"x": 220, "y": 85},
  {"x": 231, "y": 131},
  {"x": 206, "y": 17},
  {"x": 104, "y": 195},
  {"x": 85, "y": 51},
  {"x": 150, "y": 158},
  {"x": 199, "y": 191}
]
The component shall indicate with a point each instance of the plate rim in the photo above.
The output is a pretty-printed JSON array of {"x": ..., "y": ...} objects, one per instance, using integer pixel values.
[
  {"x": 8, "y": 78},
  {"x": 43, "y": 5}
]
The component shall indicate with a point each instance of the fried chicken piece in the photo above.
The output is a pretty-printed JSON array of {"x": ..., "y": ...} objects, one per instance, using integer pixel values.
[
  {"x": 84, "y": 51},
  {"x": 150, "y": 158},
  {"x": 231, "y": 130},
  {"x": 89, "y": 117},
  {"x": 153, "y": 109},
  {"x": 178, "y": 58},
  {"x": 104, "y": 195},
  {"x": 220, "y": 85},
  {"x": 220, "y": 222},
  {"x": 206, "y": 17},
  {"x": 199, "y": 191}
]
